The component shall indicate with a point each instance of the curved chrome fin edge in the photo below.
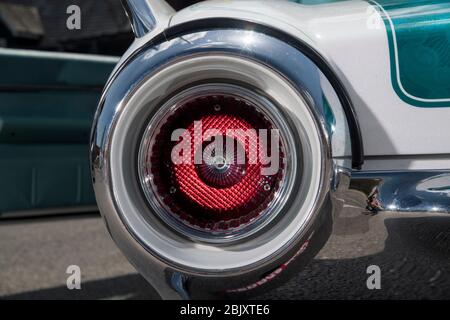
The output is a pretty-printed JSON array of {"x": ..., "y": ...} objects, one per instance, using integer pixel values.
[{"x": 146, "y": 15}]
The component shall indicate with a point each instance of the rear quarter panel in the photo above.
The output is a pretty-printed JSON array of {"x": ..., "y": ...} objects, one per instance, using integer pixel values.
[{"x": 377, "y": 49}]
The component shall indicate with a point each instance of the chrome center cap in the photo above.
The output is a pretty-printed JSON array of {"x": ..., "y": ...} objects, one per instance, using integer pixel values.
[{"x": 220, "y": 164}]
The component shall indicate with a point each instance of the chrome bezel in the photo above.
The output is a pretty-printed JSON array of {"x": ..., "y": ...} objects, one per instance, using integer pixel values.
[{"x": 129, "y": 201}]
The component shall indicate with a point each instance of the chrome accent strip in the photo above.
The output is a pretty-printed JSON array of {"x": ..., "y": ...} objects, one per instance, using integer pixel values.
[
  {"x": 145, "y": 15},
  {"x": 401, "y": 191}
]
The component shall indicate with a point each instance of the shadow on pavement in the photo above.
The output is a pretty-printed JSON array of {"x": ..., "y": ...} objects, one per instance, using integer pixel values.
[
  {"x": 414, "y": 261},
  {"x": 412, "y": 251},
  {"x": 128, "y": 287}
]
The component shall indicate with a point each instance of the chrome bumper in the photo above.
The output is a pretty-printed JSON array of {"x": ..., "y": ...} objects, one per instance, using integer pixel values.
[{"x": 399, "y": 191}]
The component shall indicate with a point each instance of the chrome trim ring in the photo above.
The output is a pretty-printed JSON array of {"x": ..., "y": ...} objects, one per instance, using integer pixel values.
[{"x": 154, "y": 234}]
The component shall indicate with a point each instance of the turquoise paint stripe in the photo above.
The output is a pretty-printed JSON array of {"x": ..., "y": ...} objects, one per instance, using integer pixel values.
[{"x": 419, "y": 43}]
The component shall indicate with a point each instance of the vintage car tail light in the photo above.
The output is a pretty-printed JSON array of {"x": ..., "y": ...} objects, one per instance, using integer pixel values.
[
  {"x": 215, "y": 224},
  {"x": 185, "y": 141},
  {"x": 204, "y": 163}
]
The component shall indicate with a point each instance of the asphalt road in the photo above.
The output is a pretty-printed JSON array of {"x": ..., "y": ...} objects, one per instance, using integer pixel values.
[{"x": 412, "y": 251}]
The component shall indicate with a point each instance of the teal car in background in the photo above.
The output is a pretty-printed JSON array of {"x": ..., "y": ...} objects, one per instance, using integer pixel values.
[{"x": 47, "y": 103}]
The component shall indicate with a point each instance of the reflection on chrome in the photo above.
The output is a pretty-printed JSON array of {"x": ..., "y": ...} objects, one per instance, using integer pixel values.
[
  {"x": 403, "y": 191},
  {"x": 147, "y": 15}
]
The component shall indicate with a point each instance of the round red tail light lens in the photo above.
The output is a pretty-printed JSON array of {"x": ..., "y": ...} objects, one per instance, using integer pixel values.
[{"x": 212, "y": 162}]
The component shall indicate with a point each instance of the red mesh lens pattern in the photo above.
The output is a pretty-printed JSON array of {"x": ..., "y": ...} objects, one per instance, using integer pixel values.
[{"x": 218, "y": 193}]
